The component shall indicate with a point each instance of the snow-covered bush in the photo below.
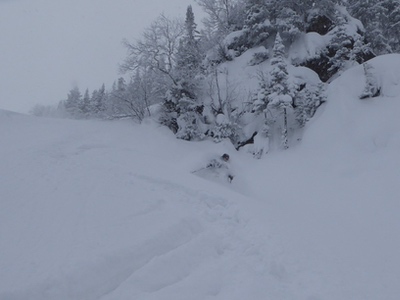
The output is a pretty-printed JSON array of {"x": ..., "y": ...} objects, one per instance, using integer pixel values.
[
  {"x": 224, "y": 128},
  {"x": 259, "y": 57}
]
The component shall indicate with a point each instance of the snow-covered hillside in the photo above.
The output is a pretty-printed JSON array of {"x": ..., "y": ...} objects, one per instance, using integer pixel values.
[{"x": 111, "y": 210}]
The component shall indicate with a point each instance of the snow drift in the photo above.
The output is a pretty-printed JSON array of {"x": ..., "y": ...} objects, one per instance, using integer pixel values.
[{"x": 110, "y": 210}]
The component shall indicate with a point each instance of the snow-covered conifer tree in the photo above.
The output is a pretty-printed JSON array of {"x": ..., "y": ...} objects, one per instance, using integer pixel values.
[
  {"x": 341, "y": 44},
  {"x": 257, "y": 25},
  {"x": 85, "y": 106},
  {"x": 189, "y": 57},
  {"x": 98, "y": 102},
  {"x": 302, "y": 103},
  {"x": 73, "y": 103},
  {"x": 307, "y": 101},
  {"x": 372, "y": 86},
  {"x": 280, "y": 98},
  {"x": 287, "y": 17},
  {"x": 360, "y": 50},
  {"x": 393, "y": 25},
  {"x": 181, "y": 111},
  {"x": 189, "y": 120},
  {"x": 374, "y": 16}
]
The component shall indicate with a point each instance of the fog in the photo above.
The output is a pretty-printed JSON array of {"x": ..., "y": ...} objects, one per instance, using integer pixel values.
[{"x": 47, "y": 46}]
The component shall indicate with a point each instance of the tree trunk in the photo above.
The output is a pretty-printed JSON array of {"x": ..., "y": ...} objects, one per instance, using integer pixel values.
[{"x": 285, "y": 130}]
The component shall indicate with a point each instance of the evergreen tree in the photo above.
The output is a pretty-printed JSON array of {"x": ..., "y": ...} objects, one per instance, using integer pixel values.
[
  {"x": 260, "y": 100},
  {"x": 372, "y": 87},
  {"x": 393, "y": 25},
  {"x": 190, "y": 126},
  {"x": 279, "y": 75},
  {"x": 341, "y": 45},
  {"x": 361, "y": 50},
  {"x": 307, "y": 100},
  {"x": 287, "y": 20},
  {"x": 188, "y": 57},
  {"x": 257, "y": 26},
  {"x": 85, "y": 106},
  {"x": 98, "y": 102},
  {"x": 280, "y": 98},
  {"x": 73, "y": 103},
  {"x": 302, "y": 104},
  {"x": 319, "y": 98},
  {"x": 374, "y": 16}
]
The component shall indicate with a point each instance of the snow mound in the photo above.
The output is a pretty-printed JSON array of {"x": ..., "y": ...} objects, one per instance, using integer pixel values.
[
  {"x": 346, "y": 122},
  {"x": 8, "y": 113}
]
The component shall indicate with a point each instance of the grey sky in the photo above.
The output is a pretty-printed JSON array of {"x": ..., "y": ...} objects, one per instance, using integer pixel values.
[{"x": 48, "y": 46}]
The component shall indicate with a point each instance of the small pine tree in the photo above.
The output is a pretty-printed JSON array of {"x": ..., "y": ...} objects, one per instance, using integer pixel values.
[
  {"x": 260, "y": 99},
  {"x": 302, "y": 102},
  {"x": 319, "y": 98},
  {"x": 360, "y": 50},
  {"x": 372, "y": 88},
  {"x": 306, "y": 103}
]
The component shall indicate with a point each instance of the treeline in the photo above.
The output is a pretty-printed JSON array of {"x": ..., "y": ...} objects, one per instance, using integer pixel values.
[{"x": 178, "y": 76}]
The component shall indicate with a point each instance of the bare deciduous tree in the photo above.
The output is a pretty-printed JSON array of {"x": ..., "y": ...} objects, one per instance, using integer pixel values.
[{"x": 157, "y": 49}]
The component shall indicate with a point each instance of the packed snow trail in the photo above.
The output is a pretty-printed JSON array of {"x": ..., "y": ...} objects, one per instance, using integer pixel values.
[{"x": 111, "y": 210}]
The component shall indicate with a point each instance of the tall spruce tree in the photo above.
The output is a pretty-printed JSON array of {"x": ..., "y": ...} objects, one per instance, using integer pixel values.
[
  {"x": 280, "y": 98},
  {"x": 188, "y": 57}
]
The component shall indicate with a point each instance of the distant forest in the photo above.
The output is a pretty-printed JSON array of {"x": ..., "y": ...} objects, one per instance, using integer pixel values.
[{"x": 178, "y": 75}]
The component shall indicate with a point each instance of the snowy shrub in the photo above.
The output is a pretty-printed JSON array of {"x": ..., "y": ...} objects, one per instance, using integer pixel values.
[
  {"x": 237, "y": 41},
  {"x": 259, "y": 57},
  {"x": 261, "y": 142},
  {"x": 168, "y": 115},
  {"x": 224, "y": 129}
]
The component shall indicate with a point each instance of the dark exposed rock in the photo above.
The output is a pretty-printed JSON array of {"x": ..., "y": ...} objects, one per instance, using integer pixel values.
[{"x": 320, "y": 24}]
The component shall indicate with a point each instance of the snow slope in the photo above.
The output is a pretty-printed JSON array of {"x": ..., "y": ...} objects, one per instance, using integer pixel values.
[
  {"x": 89, "y": 210},
  {"x": 111, "y": 210},
  {"x": 333, "y": 201}
]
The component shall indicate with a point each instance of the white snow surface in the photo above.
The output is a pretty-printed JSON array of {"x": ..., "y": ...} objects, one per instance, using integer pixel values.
[{"x": 111, "y": 210}]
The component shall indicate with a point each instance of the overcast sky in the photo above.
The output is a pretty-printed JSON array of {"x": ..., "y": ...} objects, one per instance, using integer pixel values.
[{"x": 48, "y": 46}]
